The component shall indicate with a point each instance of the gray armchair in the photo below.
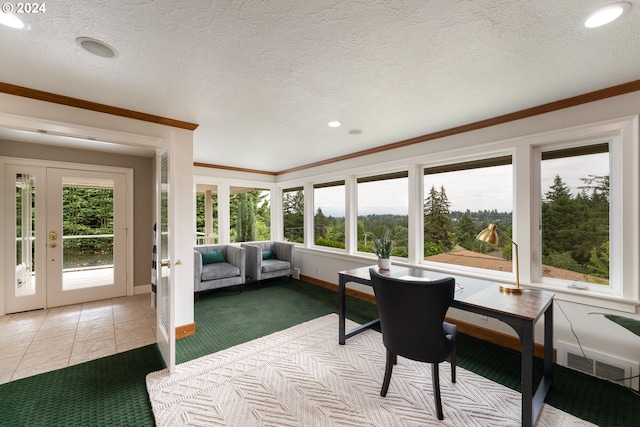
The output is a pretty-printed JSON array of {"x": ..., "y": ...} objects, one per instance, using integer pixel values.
[
  {"x": 225, "y": 268},
  {"x": 266, "y": 260}
]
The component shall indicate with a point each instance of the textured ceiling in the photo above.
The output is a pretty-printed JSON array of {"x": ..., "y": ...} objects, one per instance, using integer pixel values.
[{"x": 262, "y": 78}]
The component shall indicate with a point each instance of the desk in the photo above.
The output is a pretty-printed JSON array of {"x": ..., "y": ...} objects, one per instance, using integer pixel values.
[{"x": 520, "y": 311}]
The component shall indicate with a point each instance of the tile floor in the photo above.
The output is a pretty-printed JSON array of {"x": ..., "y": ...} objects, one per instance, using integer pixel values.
[{"x": 44, "y": 340}]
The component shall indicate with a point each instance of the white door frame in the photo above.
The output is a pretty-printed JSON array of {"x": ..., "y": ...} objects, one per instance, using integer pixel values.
[{"x": 4, "y": 216}]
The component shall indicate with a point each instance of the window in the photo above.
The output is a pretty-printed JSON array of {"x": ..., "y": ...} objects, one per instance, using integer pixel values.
[
  {"x": 293, "y": 214},
  {"x": 250, "y": 218},
  {"x": 575, "y": 214},
  {"x": 461, "y": 200},
  {"x": 383, "y": 204},
  {"x": 329, "y": 214},
  {"x": 206, "y": 214}
]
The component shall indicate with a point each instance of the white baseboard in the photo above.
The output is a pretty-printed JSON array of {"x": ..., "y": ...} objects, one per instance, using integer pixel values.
[{"x": 142, "y": 289}]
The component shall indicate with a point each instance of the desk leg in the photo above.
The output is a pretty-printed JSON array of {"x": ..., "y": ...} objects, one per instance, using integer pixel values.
[
  {"x": 341, "y": 311},
  {"x": 547, "y": 376},
  {"x": 526, "y": 383},
  {"x": 548, "y": 344},
  {"x": 532, "y": 403}
]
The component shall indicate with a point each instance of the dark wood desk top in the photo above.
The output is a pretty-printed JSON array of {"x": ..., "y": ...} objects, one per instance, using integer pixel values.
[{"x": 482, "y": 294}]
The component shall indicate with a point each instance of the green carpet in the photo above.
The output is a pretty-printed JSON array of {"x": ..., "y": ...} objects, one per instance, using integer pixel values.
[
  {"x": 111, "y": 391},
  {"x": 106, "y": 392}
]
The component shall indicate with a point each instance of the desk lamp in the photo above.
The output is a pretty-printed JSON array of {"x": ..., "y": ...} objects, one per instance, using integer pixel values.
[{"x": 490, "y": 235}]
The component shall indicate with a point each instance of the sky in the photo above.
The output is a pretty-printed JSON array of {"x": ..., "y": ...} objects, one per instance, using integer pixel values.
[{"x": 486, "y": 189}]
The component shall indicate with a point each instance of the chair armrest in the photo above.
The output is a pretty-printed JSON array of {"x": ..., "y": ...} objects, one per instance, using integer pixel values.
[
  {"x": 284, "y": 251},
  {"x": 236, "y": 256},
  {"x": 254, "y": 261},
  {"x": 197, "y": 269}
]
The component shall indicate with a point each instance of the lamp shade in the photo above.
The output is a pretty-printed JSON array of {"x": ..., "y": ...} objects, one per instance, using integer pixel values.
[{"x": 489, "y": 235}]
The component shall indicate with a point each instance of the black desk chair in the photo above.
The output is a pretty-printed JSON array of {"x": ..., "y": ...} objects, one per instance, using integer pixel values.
[{"x": 412, "y": 320}]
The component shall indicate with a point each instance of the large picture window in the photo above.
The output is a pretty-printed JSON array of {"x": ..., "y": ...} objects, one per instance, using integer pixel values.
[
  {"x": 329, "y": 214},
  {"x": 383, "y": 204},
  {"x": 293, "y": 214},
  {"x": 462, "y": 199},
  {"x": 250, "y": 214},
  {"x": 575, "y": 232}
]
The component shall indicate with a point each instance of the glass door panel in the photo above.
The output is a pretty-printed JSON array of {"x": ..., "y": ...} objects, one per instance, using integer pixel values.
[
  {"x": 25, "y": 210},
  {"x": 87, "y": 226},
  {"x": 25, "y": 257}
]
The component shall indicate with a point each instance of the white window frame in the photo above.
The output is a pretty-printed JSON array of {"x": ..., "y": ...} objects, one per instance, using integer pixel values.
[
  {"x": 613, "y": 287},
  {"x": 622, "y": 136},
  {"x": 379, "y": 177},
  {"x": 347, "y": 214}
]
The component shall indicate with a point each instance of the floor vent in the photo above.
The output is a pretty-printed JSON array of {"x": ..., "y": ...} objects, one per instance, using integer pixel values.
[{"x": 598, "y": 364}]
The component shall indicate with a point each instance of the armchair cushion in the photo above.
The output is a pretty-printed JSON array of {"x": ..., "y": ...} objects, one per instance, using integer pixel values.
[
  {"x": 269, "y": 265},
  {"x": 268, "y": 255},
  {"x": 219, "y": 270}
]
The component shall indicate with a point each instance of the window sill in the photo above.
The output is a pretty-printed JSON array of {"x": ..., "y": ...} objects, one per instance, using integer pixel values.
[{"x": 589, "y": 297}]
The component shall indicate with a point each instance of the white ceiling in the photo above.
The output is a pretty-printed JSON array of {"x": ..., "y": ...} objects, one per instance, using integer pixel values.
[{"x": 263, "y": 77}]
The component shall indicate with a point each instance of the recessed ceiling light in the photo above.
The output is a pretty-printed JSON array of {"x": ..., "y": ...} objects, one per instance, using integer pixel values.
[
  {"x": 334, "y": 124},
  {"x": 11, "y": 20},
  {"x": 96, "y": 47},
  {"x": 355, "y": 131},
  {"x": 607, "y": 14}
]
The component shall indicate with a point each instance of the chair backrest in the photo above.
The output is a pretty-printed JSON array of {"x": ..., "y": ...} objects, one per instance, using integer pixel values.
[
  {"x": 411, "y": 316},
  {"x": 211, "y": 248}
]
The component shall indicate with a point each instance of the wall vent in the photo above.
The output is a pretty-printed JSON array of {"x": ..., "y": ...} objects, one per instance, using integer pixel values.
[{"x": 598, "y": 364}]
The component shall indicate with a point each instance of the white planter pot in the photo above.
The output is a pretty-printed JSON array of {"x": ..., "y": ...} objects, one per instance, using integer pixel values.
[{"x": 384, "y": 263}]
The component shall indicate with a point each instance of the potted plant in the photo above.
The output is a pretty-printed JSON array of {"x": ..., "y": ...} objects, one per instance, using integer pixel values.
[{"x": 382, "y": 248}]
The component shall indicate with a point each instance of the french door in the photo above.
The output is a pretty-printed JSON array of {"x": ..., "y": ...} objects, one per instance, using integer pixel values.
[
  {"x": 165, "y": 310},
  {"x": 69, "y": 236}
]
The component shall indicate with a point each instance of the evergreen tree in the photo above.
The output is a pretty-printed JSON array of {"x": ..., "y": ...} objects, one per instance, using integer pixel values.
[
  {"x": 559, "y": 215},
  {"x": 293, "y": 215},
  {"x": 466, "y": 231},
  {"x": 319, "y": 224},
  {"x": 438, "y": 225}
]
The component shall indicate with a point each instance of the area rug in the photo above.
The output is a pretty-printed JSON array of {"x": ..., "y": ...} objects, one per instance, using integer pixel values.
[{"x": 302, "y": 377}]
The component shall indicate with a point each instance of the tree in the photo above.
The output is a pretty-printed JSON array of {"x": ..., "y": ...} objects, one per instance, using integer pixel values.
[
  {"x": 575, "y": 230},
  {"x": 250, "y": 216},
  {"x": 466, "y": 231},
  {"x": 293, "y": 215},
  {"x": 438, "y": 226},
  {"x": 599, "y": 261},
  {"x": 559, "y": 215},
  {"x": 319, "y": 224}
]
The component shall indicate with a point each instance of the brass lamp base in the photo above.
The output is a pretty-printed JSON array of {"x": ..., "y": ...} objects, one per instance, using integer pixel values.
[{"x": 510, "y": 289}]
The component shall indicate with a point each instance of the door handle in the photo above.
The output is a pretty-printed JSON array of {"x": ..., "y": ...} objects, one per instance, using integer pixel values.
[
  {"x": 53, "y": 245},
  {"x": 53, "y": 235},
  {"x": 167, "y": 263}
]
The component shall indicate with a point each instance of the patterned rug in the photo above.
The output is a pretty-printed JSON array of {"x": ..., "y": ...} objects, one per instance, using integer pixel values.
[{"x": 302, "y": 377}]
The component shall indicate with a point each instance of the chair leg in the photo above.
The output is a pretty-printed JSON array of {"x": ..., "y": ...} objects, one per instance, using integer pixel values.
[
  {"x": 240, "y": 287},
  {"x": 197, "y": 296},
  {"x": 453, "y": 364},
  {"x": 391, "y": 360},
  {"x": 435, "y": 377},
  {"x": 259, "y": 282}
]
